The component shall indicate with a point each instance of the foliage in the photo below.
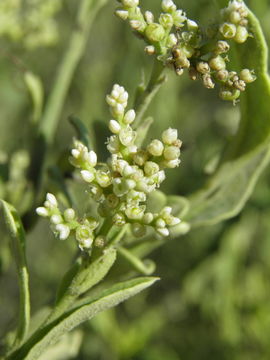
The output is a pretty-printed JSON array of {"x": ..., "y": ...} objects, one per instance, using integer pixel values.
[{"x": 208, "y": 226}]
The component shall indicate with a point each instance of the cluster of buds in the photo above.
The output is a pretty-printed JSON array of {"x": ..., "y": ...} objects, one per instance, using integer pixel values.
[
  {"x": 120, "y": 186},
  {"x": 66, "y": 223},
  {"x": 181, "y": 44},
  {"x": 31, "y": 23},
  {"x": 235, "y": 22}
]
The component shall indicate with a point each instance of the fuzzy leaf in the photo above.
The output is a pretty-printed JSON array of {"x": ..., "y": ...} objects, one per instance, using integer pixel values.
[
  {"x": 228, "y": 190},
  {"x": 16, "y": 231},
  {"x": 83, "y": 312}
]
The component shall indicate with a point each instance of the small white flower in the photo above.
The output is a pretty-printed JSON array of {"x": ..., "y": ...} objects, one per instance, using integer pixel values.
[
  {"x": 56, "y": 219},
  {"x": 92, "y": 158},
  {"x": 127, "y": 136},
  {"x": 155, "y": 148},
  {"x": 169, "y": 136},
  {"x": 171, "y": 153},
  {"x": 63, "y": 231},
  {"x": 168, "y": 5},
  {"x": 151, "y": 168},
  {"x": 149, "y": 17},
  {"x": 163, "y": 231},
  {"x": 42, "y": 211},
  {"x": 122, "y": 14},
  {"x": 51, "y": 199},
  {"x": 69, "y": 214},
  {"x": 88, "y": 176},
  {"x": 171, "y": 164},
  {"x": 114, "y": 126},
  {"x": 129, "y": 116},
  {"x": 75, "y": 153}
]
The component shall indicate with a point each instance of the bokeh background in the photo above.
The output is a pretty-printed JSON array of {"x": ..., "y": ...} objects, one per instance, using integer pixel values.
[{"x": 213, "y": 300}]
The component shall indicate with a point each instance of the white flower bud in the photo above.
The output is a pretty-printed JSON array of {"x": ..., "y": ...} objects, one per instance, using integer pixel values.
[
  {"x": 150, "y": 49},
  {"x": 51, "y": 199},
  {"x": 110, "y": 100},
  {"x": 166, "y": 20},
  {"x": 128, "y": 170},
  {"x": 56, "y": 219},
  {"x": 137, "y": 25},
  {"x": 192, "y": 25},
  {"x": 169, "y": 136},
  {"x": 88, "y": 176},
  {"x": 42, "y": 211},
  {"x": 168, "y": 6},
  {"x": 122, "y": 14},
  {"x": 149, "y": 17},
  {"x": 135, "y": 196},
  {"x": 132, "y": 149},
  {"x": 147, "y": 218},
  {"x": 114, "y": 126},
  {"x": 155, "y": 148},
  {"x": 85, "y": 243},
  {"x": 92, "y": 158},
  {"x": 171, "y": 153},
  {"x": 160, "y": 223},
  {"x": 241, "y": 34},
  {"x": 130, "y": 3},
  {"x": 75, "y": 153},
  {"x": 228, "y": 30},
  {"x": 63, "y": 231},
  {"x": 69, "y": 214},
  {"x": 123, "y": 98},
  {"x": 129, "y": 116},
  {"x": 151, "y": 168},
  {"x": 172, "y": 40},
  {"x": 172, "y": 221},
  {"x": 171, "y": 164},
  {"x": 118, "y": 109},
  {"x": 163, "y": 231}
]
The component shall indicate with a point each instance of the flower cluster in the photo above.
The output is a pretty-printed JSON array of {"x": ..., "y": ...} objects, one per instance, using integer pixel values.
[
  {"x": 29, "y": 22},
  {"x": 121, "y": 186},
  {"x": 63, "y": 224},
  {"x": 181, "y": 44}
]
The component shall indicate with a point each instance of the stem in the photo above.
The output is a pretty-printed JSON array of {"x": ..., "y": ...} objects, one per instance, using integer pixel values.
[
  {"x": 144, "y": 268},
  {"x": 156, "y": 80},
  {"x": 74, "y": 52}
]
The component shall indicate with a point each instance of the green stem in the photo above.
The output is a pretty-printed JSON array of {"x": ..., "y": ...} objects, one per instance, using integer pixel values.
[
  {"x": 144, "y": 268},
  {"x": 74, "y": 52},
  {"x": 156, "y": 80}
]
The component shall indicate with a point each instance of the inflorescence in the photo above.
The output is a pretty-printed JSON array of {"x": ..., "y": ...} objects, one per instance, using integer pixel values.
[
  {"x": 120, "y": 186},
  {"x": 182, "y": 44}
]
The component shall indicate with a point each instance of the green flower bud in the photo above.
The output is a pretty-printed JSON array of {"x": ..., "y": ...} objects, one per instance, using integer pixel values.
[
  {"x": 228, "y": 30},
  {"x": 202, "y": 67},
  {"x": 141, "y": 157},
  {"x": 103, "y": 178},
  {"x": 171, "y": 153},
  {"x": 69, "y": 214},
  {"x": 169, "y": 136},
  {"x": 179, "y": 18},
  {"x": 217, "y": 63},
  {"x": 151, "y": 168},
  {"x": 147, "y": 218},
  {"x": 229, "y": 94},
  {"x": 247, "y": 76},
  {"x": 155, "y": 148},
  {"x": 155, "y": 32},
  {"x": 127, "y": 136},
  {"x": 138, "y": 229},
  {"x": 222, "y": 47},
  {"x": 241, "y": 34},
  {"x": 130, "y": 3},
  {"x": 235, "y": 17}
]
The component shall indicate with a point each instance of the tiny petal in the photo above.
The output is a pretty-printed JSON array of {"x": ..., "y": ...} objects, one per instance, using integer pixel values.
[
  {"x": 51, "y": 199},
  {"x": 42, "y": 211},
  {"x": 87, "y": 176},
  {"x": 163, "y": 231}
]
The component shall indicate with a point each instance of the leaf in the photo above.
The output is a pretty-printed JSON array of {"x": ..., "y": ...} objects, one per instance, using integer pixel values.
[
  {"x": 49, "y": 335},
  {"x": 35, "y": 88},
  {"x": 81, "y": 129},
  {"x": 228, "y": 190},
  {"x": 16, "y": 231},
  {"x": 79, "y": 279},
  {"x": 142, "y": 130}
]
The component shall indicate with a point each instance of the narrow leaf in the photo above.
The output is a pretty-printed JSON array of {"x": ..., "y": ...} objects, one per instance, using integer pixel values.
[
  {"x": 16, "y": 231},
  {"x": 81, "y": 129},
  {"x": 83, "y": 312},
  {"x": 35, "y": 88}
]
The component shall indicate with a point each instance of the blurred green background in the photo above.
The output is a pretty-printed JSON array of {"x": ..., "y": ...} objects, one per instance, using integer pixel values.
[{"x": 213, "y": 300}]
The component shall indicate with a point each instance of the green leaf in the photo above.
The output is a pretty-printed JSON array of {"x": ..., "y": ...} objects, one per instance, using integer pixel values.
[
  {"x": 81, "y": 278},
  {"x": 81, "y": 129},
  {"x": 18, "y": 244},
  {"x": 35, "y": 88},
  {"x": 228, "y": 190},
  {"x": 83, "y": 312},
  {"x": 142, "y": 130}
]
